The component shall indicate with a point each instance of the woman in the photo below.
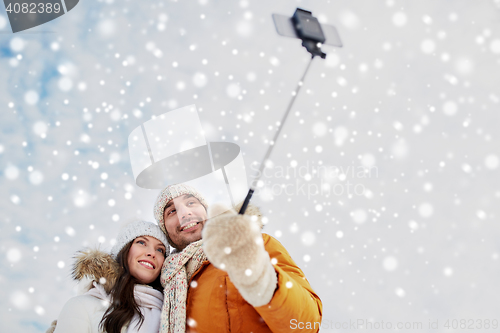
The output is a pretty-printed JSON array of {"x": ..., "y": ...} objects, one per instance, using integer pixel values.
[{"x": 125, "y": 294}]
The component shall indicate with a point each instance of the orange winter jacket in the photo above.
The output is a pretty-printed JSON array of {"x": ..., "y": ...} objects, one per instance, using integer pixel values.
[{"x": 215, "y": 305}]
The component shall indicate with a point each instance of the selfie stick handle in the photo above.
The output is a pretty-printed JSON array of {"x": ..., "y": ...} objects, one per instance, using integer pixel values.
[{"x": 273, "y": 142}]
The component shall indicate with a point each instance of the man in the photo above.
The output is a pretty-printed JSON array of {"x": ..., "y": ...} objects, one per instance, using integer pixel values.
[{"x": 225, "y": 275}]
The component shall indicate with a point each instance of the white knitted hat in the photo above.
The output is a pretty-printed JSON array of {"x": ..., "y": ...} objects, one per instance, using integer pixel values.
[{"x": 136, "y": 229}]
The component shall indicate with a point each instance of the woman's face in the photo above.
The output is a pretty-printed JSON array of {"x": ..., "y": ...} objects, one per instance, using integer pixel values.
[{"x": 145, "y": 258}]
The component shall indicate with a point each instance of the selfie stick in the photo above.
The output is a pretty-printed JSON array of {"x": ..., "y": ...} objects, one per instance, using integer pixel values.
[{"x": 306, "y": 27}]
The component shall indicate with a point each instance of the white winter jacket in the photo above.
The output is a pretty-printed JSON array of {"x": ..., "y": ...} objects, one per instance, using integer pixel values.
[{"x": 83, "y": 314}]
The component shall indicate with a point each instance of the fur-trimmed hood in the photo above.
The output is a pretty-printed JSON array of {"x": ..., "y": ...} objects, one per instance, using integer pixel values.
[
  {"x": 92, "y": 265},
  {"x": 95, "y": 265}
]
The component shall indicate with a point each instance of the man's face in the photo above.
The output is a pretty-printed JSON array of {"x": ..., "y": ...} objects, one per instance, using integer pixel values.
[{"x": 184, "y": 218}]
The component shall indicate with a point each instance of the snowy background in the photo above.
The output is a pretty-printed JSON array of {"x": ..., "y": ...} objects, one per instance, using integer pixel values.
[{"x": 390, "y": 157}]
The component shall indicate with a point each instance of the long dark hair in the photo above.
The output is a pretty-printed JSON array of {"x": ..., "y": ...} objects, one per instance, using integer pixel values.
[{"x": 123, "y": 306}]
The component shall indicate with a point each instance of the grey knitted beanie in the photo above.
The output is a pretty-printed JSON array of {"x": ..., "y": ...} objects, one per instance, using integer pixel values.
[{"x": 136, "y": 229}]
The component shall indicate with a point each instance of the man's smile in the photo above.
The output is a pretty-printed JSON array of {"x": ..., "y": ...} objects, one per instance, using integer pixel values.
[{"x": 190, "y": 226}]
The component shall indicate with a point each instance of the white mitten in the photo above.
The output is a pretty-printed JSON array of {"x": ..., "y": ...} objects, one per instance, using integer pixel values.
[{"x": 233, "y": 243}]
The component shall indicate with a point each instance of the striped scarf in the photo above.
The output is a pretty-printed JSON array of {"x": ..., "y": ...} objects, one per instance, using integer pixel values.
[{"x": 176, "y": 272}]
